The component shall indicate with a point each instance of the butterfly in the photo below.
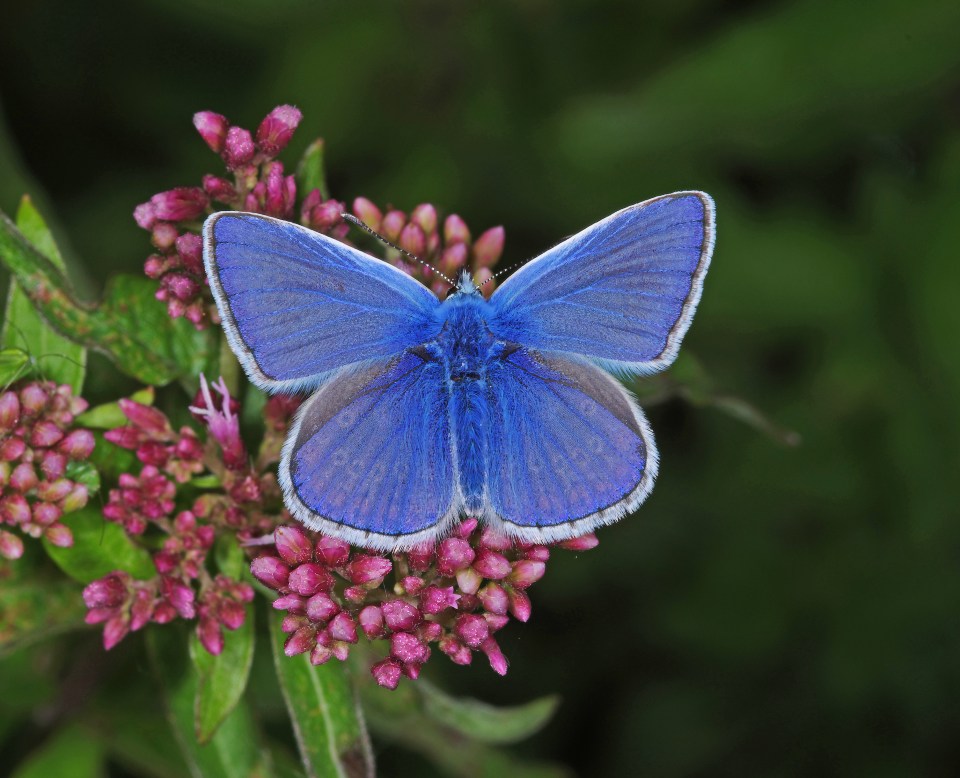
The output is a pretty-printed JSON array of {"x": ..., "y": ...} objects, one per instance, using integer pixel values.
[{"x": 423, "y": 412}]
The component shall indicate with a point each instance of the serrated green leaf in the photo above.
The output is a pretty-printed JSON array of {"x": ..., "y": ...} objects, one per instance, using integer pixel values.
[
  {"x": 56, "y": 357},
  {"x": 13, "y": 365},
  {"x": 33, "y": 608},
  {"x": 486, "y": 723},
  {"x": 99, "y": 547},
  {"x": 128, "y": 325},
  {"x": 232, "y": 751},
  {"x": 310, "y": 171},
  {"x": 327, "y": 721},
  {"x": 69, "y": 752}
]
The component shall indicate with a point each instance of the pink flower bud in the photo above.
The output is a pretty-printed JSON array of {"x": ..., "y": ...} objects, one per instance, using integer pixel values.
[
  {"x": 76, "y": 500},
  {"x": 368, "y": 213},
  {"x": 453, "y": 258},
  {"x": 78, "y": 444},
  {"x": 400, "y": 615},
  {"x": 492, "y": 565},
  {"x": 291, "y": 623},
  {"x": 181, "y": 204},
  {"x": 53, "y": 465},
  {"x": 145, "y": 418},
  {"x": 495, "y": 541},
  {"x": 364, "y": 569},
  {"x": 408, "y": 648},
  {"x": 12, "y": 448},
  {"x": 537, "y": 553},
  {"x": 520, "y": 605},
  {"x": 412, "y": 584},
  {"x": 455, "y": 230},
  {"x": 212, "y": 128},
  {"x": 526, "y": 572},
  {"x": 371, "y": 621},
  {"x": 54, "y": 491},
  {"x": 11, "y": 547},
  {"x": 420, "y": 557},
  {"x": 469, "y": 580},
  {"x": 163, "y": 236},
  {"x": 232, "y": 614},
  {"x": 23, "y": 478},
  {"x": 9, "y": 411},
  {"x": 496, "y": 621},
  {"x": 15, "y": 509},
  {"x": 293, "y": 603},
  {"x": 495, "y": 656},
  {"x": 466, "y": 528},
  {"x": 293, "y": 544},
  {"x": 309, "y": 578},
  {"x": 435, "y": 599},
  {"x": 488, "y": 247},
  {"x": 145, "y": 215},
  {"x": 321, "y": 608},
  {"x": 210, "y": 636},
  {"x": 453, "y": 554},
  {"x": 429, "y": 631},
  {"x": 45, "y": 433},
  {"x": 472, "y": 629},
  {"x": 392, "y": 225},
  {"x": 332, "y": 551},
  {"x": 583, "y": 543},
  {"x": 219, "y": 189},
  {"x": 143, "y": 609},
  {"x": 300, "y": 641},
  {"x": 320, "y": 655},
  {"x": 33, "y": 398},
  {"x": 413, "y": 240},
  {"x": 45, "y": 514},
  {"x": 494, "y": 599},
  {"x": 114, "y": 631},
  {"x": 238, "y": 148},
  {"x": 425, "y": 216},
  {"x": 342, "y": 627},
  {"x": 387, "y": 673},
  {"x": 270, "y": 571},
  {"x": 276, "y": 129},
  {"x": 355, "y": 594},
  {"x": 180, "y": 596}
]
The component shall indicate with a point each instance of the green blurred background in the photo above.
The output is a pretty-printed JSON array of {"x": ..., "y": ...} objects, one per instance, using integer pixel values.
[{"x": 772, "y": 610}]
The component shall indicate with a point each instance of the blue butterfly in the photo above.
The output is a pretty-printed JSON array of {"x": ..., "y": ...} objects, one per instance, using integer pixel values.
[{"x": 426, "y": 411}]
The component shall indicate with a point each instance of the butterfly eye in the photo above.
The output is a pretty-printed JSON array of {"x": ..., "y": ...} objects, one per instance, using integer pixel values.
[{"x": 450, "y": 292}]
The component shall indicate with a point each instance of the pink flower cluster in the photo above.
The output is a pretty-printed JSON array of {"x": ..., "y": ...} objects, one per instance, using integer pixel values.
[
  {"x": 38, "y": 443},
  {"x": 448, "y": 250},
  {"x": 147, "y": 501},
  {"x": 256, "y": 181},
  {"x": 455, "y": 595}
]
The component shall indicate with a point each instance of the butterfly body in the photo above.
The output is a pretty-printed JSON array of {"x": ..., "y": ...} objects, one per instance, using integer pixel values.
[{"x": 425, "y": 411}]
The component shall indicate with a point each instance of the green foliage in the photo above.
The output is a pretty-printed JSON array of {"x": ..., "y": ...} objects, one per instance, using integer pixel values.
[
  {"x": 99, "y": 547},
  {"x": 326, "y": 719}
]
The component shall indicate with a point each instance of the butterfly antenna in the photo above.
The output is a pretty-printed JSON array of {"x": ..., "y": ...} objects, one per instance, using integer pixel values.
[
  {"x": 501, "y": 272},
  {"x": 354, "y": 220}
]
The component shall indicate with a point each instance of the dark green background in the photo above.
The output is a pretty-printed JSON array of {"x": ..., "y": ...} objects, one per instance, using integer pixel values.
[{"x": 771, "y": 610}]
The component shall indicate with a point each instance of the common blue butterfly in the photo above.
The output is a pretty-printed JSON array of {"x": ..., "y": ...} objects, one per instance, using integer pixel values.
[{"x": 426, "y": 411}]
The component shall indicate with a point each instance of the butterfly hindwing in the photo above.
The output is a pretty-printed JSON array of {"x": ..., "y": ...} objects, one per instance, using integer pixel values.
[
  {"x": 368, "y": 458},
  {"x": 568, "y": 447},
  {"x": 621, "y": 292},
  {"x": 297, "y": 305}
]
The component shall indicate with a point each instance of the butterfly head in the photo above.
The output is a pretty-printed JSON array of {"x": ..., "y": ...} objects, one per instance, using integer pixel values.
[{"x": 465, "y": 286}]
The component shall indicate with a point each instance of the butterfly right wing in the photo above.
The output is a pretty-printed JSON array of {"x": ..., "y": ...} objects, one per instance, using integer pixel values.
[
  {"x": 297, "y": 306},
  {"x": 369, "y": 458}
]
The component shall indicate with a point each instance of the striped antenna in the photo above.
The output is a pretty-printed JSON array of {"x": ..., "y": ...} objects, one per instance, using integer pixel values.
[
  {"x": 504, "y": 270},
  {"x": 354, "y": 220}
]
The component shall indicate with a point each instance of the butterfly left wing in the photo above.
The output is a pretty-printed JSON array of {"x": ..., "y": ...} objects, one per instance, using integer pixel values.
[
  {"x": 621, "y": 293},
  {"x": 368, "y": 458},
  {"x": 297, "y": 306},
  {"x": 568, "y": 448}
]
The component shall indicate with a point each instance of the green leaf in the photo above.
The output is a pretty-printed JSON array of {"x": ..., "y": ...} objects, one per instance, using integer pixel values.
[
  {"x": 128, "y": 325},
  {"x": 33, "y": 608},
  {"x": 483, "y": 722},
  {"x": 208, "y": 481},
  {"x": 99, "y": 547},
  {"x": 84, "y": 473},
  {"x": 111, "y": 460},
  {"x": 221, "y": 680},
  {"x": 13, "y": 363},
  {"x": 327, "y": 721},
  {"x": 232, "y": 751},
  {"x": 310, "y": 172},
  {"x": 70, "y": 752},
  {"x": 109, "y": 416},
  {"x": 59, "y": 359},
  {"x": 230, "y": 558}
]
